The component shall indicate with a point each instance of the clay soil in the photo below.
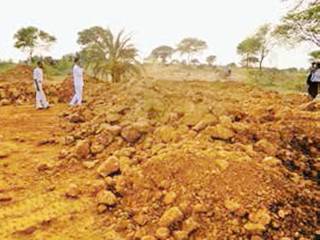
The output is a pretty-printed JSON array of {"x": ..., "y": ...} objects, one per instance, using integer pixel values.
[{"x": 155, "y": 159}]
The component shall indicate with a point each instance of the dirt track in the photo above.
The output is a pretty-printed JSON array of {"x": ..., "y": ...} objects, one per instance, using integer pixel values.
[{"x": 36, "y": 181}]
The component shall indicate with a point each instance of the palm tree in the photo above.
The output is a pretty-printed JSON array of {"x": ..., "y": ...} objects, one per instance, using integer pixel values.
[{"x": 107, "y": 54}]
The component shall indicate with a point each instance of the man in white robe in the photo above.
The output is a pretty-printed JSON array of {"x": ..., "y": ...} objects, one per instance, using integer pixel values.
[
  {"x": 41, "y": 100},
  {"x": 77, "y": 73}
]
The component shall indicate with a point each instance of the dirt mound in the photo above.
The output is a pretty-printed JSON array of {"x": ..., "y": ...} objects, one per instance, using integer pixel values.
[
  {"x": 18, "y": 73},
  {"x": 198, "y": 160},
  {"x": 66, "y": 90},
  {"x": 16, "y": 87}
]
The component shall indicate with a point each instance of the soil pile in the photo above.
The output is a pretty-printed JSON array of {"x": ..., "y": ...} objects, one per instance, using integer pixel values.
[
  {"x": 16, "y": 87},
  {"x": 198, "y": 160}
]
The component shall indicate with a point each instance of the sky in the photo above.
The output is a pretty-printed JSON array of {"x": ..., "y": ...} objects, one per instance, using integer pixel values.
[{"x": 221, "y": 23}]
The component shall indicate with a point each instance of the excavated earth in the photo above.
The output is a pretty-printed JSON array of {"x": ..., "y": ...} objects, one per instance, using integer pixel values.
[{"x": 160, "y": 160}]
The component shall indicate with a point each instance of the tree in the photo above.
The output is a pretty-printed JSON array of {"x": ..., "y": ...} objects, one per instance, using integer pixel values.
[
  {"x": 211, "y": 59},
  {"x": 301, "y": 25},
  {"x": 257, "y": 46},
  {"x": 248, "y": 49},
  {"x": 108, "y": 54},
  {"x": 30, "y": 39},
  {"x": 163, "y": 52},
  {"x": 265, "y": 41},
  {"x": 195, "y": 61},
  {"x": 191, "y": 46}
]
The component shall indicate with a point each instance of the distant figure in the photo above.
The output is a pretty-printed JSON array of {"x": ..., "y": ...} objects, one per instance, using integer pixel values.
[
  {"x": 227, "y": 71},
  {"x": 77, "y": 73},
  {"x": 313, "y": 80},
  {"x": 41, "y": 101}
]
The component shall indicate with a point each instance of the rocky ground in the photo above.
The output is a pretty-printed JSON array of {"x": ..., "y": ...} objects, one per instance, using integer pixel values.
[{"x": 161, "y": 160}]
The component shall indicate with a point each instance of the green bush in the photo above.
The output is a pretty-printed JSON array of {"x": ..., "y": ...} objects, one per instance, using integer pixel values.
[
  {"x": 279, "y": 80},
  {"x": 5, "y": 66}
]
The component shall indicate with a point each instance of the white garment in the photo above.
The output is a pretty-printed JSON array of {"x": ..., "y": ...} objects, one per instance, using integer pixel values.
[
  {"x": 77, "y": 73},
  {"x": 41, "y": 100},
  {"x": 316, "y": 76},
  {"x": 78, "y": 85}
]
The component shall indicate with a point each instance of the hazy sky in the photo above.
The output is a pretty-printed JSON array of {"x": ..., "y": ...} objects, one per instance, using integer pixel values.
[{"x": 222, "y": 23}]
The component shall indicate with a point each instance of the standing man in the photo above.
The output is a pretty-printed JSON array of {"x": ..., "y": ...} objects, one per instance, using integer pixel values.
[
  {"x": 77, "y": 73},
  {"x": 312, "y": 85},
  {"x": 41, "y": 100}
]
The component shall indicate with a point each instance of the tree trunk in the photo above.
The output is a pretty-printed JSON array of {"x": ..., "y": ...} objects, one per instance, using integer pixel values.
[
  {"x": 261, "y": 59},
  {"x": 247, "y": 60},
  {"x": 30, "y": 56}
]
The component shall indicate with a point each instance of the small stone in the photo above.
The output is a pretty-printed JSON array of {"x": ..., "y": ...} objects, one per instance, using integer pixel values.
[
  {"x": 190, "y": 225},
  {"x": 82, "y": 149},
  {"x": 105, "y": 138},
  {"x": 115, "y": 130},
  {"x": 130, "y": 134},
  {"x": 28, "y": 230},
  {"x": 96, "y": 186},
  {"x": 43, "y": 167},
  {"x": 63, "y": 154},
  {"x": 5, "y": 102},
  {"x": 180, "y": 235},
  {"x": 142, "y": 126},
  {"x": 102, "y": 208},
  {"x": 162, "y": 233},
  {"x": 140, "y": 219},
  {"x": 265, "y": 146},
  {"x": 113, "y": 117},
  {"x": 97, "y": 148},
  {"x": 73, "y": 191},
  {"x": 199, "y": 208},
  {"x": 282, "y": 213},
  {"x": 255, "y": 237},
  {"x": 5, "y": 197},
  {"x": 171, "y": 216},
  {"x": 254, "y": 227},
  {"x": 271, "y": 161},
  {"x": 107, "y": 198},
  {"x": 89, "y": 164},
  {"x": 200, "y": 126},
  {"x": 221, "y": 133},
  {"x": 108, "y": 167},
  {"x": 170, "y": 198},
  {"x": 76, "y": 118},
  {"x": 148, "y": 238},
  {"x": 261, "y": 217},
  {"x": 69, "y": 140},
  {"x": 231, "y": 205}
]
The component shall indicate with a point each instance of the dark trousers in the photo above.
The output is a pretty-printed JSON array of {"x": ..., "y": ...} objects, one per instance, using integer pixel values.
[{"x": 313, "y": 89}]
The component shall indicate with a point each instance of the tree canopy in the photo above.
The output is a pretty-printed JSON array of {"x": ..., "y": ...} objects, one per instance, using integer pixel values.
[
  {"x": 107, "y": 54},
  {"x": 191, "y": 46},
  {"x": 301, "y": 25},
  {"x": 163, "y": 52},
  {"x": 30, "y": 39},
  {"x": 315, "y": 55},
  {"x": 248, "y": 49},
  {"x": 211, "y": 59},
  {"x": 256, "y": 46}
]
